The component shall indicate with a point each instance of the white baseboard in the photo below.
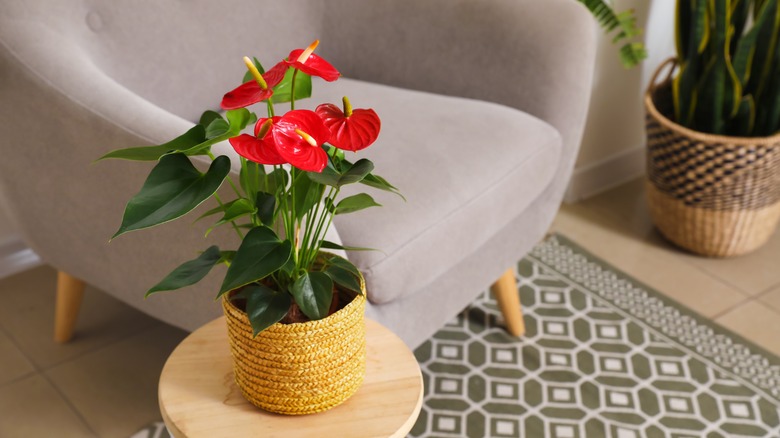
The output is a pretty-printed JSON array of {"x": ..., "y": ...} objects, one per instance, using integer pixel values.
[
  {"x": 603, "y": 175},
  {"x": 16, "y": 257}
]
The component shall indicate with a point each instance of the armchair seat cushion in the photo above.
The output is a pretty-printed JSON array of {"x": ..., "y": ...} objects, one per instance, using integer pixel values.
[{"x": 457, "y": 161}]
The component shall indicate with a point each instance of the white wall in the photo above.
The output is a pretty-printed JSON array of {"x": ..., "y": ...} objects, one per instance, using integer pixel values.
[{"x": 613, "y": 146}]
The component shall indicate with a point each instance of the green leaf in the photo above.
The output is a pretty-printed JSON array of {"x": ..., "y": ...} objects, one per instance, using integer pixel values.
[
  {"x": 237, "y": 121},
  {"x": 241, "y": 207},
  {"x": 344, "y": 273},
  {"x": 355, "y": 203},
  {"x": 194, "y": 136},
  {"x": 746, "y": 48},
  {"x": 226, "y": 257},
  {"x": 189, "y": 272},
  {"x": 215, "y": 210},
  {"x": 248, "y": 75},
  {"x": 265, "y": 306},
  {"x": 307, "y": 194},
  {"x": 332, "y": 177},
  {"x": 357, "y": 172},
  {"x": 207, "y": 117},
  {"x": 216, "y": 128},
  {"x": 326, "y": 244},
  {"x": 266, "y": 204},
  {"x": 174, "y": 188},
  {"x": 313, "y": 292},
  {"x": 344, "y": 264},
  {"x": 260, "y": 254},
  {"x": 380, "y": 183},
  {"x": 329, "y": 176},
  {"x": 343, "y": 278},
  {"x": 282, "y": 92}
]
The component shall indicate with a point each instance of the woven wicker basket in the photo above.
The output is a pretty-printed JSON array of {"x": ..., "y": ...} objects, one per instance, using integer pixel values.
[
  {"x": 301, "y": 368},
  {"x": 711, "y": 194}
]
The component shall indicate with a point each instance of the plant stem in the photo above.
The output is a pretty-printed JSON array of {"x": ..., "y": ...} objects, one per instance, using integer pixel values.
[
  {"x": 292, "y": 90},
  {"x": 321, "y": 221},
  {"x": 235, "y": 227}
]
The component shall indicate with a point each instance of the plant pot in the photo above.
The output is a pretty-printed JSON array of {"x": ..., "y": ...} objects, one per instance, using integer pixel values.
[
  {"x": 714, "y": 195},
  {"x": 300, "y": 368}
]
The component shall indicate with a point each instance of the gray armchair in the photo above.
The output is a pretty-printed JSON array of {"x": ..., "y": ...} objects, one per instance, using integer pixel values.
[{"x": 483, "y": 103}]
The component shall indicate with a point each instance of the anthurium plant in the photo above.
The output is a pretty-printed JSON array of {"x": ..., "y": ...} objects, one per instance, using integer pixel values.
[{"x": 293, "y": 166}]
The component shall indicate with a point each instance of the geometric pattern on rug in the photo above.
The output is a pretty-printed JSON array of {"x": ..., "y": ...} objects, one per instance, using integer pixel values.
[{"x": 603, "y": 356}]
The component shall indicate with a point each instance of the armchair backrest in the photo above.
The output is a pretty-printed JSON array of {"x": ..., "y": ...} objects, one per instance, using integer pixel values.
[{"x": 179, "y": 55}]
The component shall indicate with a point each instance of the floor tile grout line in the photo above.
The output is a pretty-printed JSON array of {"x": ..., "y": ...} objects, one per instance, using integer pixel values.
[
  {"x": 99, "y": 348},
  {"x": 68, "y": 402},
  {"x": 604, "y": 215},
  {"x": 740, "y": 305},
  {"x": 19, "y": 379}
]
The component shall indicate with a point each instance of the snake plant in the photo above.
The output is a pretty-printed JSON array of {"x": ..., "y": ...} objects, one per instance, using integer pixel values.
[
  {"x": 623, "y": 26},
  {"x": 728, "y": 81}
]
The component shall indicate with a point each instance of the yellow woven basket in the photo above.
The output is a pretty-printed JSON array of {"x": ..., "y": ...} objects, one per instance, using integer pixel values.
[
  {"x": 301, "y": 368},
  {"x": 711, "y": 194}
]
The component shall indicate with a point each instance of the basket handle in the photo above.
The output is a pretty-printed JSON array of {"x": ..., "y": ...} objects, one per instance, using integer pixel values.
[{"x": 654, "y": 80}]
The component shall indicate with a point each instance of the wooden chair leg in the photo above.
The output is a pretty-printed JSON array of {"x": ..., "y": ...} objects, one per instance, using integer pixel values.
[
  {"x": 70, "y": 291},
  {"x": 505, "y": 291}
]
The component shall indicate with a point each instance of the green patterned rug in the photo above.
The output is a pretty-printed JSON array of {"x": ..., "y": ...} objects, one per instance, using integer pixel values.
[{"x": 603, "y": 356}]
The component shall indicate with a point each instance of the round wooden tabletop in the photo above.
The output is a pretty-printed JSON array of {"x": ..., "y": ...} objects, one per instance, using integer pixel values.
[{"x": 199, "y": 398}]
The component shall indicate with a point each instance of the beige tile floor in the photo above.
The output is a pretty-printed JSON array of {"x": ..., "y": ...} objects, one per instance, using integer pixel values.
[{"x": 103, "y": 383}]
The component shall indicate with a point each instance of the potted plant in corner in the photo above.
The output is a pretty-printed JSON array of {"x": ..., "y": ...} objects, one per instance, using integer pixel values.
[
  {"x": 294, "y": 312},
  {"x": 712, "y": 128}
]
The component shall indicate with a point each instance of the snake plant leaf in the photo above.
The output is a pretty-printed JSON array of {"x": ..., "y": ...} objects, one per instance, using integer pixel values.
[
  {"x": 265, "y": 306},
  {"x": 746, "y": 48},
  {"x": 684, "y": 85},
  {"x": 771, "y": 110},
  {"x": 189, "y": 272},
  {"x": 766, "y": 44},
  {"x": 174, "y": 188},
  {"x": 682, "y": 29},
  {"x": 743, "y": 123},
  {"x": 740, "y": 11},
  {"x": 720, "y": 90},
  {"x": 260, "y": 254},
  {"x": 313, "y": 292},
  {"x": 194, "y": 136},
  {"x": 355, "y": 203}
]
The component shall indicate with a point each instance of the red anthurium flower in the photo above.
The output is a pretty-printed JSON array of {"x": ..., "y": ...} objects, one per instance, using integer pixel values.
[
  {"x": 311, "y": 64},
  {"x": 351, "y": 130},
  {"x": 299, "y": 136},
  {"x": 257, "y": 90},
  {"x": 261, "y": 147}
]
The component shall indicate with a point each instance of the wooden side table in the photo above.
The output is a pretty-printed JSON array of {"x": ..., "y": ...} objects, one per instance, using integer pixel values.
[{"x": 198, "y": 397}]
